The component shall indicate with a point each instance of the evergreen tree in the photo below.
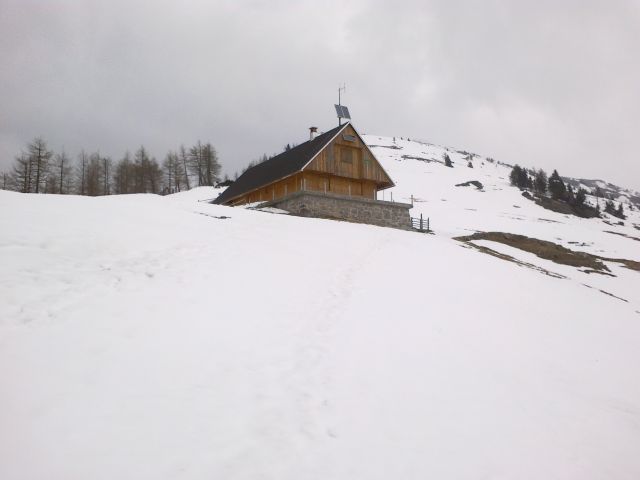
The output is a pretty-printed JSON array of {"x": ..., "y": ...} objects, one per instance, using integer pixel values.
[
  {"x": 447, "y": 161},
  {"x": 514, "y": 176},
  {"x": 540, "y": 182},
  {"x": 581, "y": 197},
  {"x": 569, "y": 195},
  {"x": 519, "y": 178},
  {"x": 529, "y": 182},
  {"x": 598, "y": 192},
  {"x": 609, "y": 207},
  {"x": 556, "y": 186}
]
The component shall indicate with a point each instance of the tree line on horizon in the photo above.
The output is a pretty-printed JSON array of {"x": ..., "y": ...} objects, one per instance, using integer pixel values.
[
  {"x": 38, "y": 169},
  {"x": 537, "y": 181}
]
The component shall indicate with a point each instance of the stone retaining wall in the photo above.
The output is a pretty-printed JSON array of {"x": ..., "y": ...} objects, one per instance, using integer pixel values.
[{"x": 351, "y": 209}]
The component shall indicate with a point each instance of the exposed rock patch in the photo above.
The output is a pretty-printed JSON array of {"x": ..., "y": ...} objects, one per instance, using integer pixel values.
[
  {"x": 421, "y": 159},
  {"x": 475, "y": 183},
  {"x": 392, "y": 147}
]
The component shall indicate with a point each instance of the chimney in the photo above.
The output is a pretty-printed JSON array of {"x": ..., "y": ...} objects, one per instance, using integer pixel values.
[{"x": 312, "y": 132}]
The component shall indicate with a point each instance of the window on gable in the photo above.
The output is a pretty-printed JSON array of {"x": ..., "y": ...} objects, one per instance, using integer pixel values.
[{"x": 346, "y": 155}]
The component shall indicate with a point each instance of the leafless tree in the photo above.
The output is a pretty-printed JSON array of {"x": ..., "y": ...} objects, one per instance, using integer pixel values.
[
  {"x": 40, "y": 156},
  {"x": 21, "y": 174},
  {"x": 173, "y": 173},
  {"x": 124, "y": 175},
  {"x": 93, "y": 175},
  {"x": 148, "y": 176},
  {"x": 29, "y": 171},
  {"x": 59, "y": 178},
  {"x": 81, "y": 173},
  {"x": 184, "y": 159},
  {"x": 204, "y": 163},
  {"x": 106, "y": 179}
]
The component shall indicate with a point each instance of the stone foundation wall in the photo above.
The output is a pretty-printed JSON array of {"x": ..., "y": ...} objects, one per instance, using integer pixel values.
[{"x": 351, "y": 209}]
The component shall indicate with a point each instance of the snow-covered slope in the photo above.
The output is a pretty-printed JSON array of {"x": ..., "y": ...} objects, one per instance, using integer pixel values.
[
  {"x": 419, "y": 171},
  {"x": 151, "y": 337}
]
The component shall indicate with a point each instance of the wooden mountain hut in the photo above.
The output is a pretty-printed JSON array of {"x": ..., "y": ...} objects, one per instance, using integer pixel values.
[{"x": 332, "y": 175}]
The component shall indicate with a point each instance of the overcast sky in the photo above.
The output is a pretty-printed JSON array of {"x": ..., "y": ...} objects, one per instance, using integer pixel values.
[{"x": 552, "y": 84}]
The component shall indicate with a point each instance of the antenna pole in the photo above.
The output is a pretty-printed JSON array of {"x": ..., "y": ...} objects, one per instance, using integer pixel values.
[{"x": 343, "y": 87}]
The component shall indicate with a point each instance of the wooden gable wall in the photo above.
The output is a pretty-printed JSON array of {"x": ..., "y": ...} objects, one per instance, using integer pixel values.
[{"x": 347, "y": 156}]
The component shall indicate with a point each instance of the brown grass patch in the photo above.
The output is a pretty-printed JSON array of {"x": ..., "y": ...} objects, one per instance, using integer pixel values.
[
  {"x": 541, "y": 248},
  {"x": 551, "y": 251}
]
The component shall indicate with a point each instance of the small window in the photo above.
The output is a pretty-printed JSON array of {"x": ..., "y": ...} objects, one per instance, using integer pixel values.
[
  {"x": 346, "y": 155},
  {"x": 348, "y": 138}
]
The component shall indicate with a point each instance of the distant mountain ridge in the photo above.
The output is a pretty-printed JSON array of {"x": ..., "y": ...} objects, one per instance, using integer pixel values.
[{"x": 610, "y": 190}]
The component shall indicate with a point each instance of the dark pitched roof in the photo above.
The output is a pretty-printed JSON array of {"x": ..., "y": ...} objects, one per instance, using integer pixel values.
[{"x": 278, "y": 167}]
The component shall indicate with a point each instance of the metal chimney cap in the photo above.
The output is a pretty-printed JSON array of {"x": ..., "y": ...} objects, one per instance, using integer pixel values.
[{"x": 312, "y": 132}]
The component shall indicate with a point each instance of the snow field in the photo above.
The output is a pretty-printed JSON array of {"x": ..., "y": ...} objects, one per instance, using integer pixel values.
[{"x": 141, "y": 337}]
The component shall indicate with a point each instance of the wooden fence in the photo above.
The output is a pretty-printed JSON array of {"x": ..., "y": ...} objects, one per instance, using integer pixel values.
[{"x": 421, "y": 224}]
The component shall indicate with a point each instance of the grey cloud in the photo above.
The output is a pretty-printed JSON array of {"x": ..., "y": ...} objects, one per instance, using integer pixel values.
[{"x": 549, "y": 84}]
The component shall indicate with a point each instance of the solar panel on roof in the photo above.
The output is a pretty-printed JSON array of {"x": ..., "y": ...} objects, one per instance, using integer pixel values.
[{"x": 342, "y": 111}]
